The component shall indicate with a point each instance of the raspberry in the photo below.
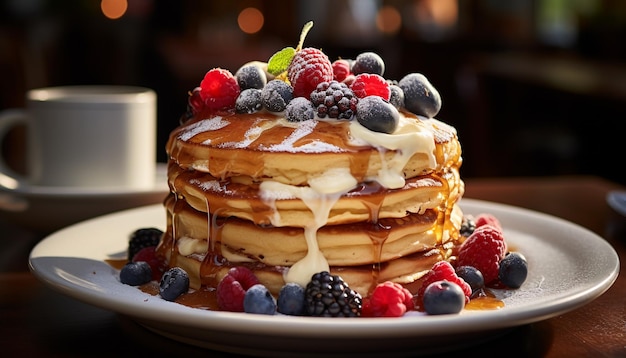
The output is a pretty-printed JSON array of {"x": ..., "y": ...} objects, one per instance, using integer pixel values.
[
  {"x": 341, "y": 70},
  {"x": 389, "y": 299},
  {"x": 308, "y": 68},
  {"x": 219, "y": 90},
  {"x": 368, "y": 84},
  {"x": 157, "y": 263},
  {"x": 487, "y": 219},
  {"x": 232, "y": 288},
  {"x": 441, "y": 271},
  {"x": 483, "y": 249}
]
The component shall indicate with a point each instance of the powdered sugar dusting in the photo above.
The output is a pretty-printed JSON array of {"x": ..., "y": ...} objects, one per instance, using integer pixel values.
[
  {"x": 303, "y": 129},
  {"x": 210, "y": 185},
  {"x": 204, "y": 125}
]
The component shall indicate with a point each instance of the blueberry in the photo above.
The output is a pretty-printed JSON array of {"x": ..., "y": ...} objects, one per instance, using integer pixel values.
[
  {"x": 420, "y": 97},
  {"x": 299, "y": 109},
  {"x": 174, "y": 283},
  {"x": 259, "y": 300},
  {"x": 472, "y": 276},
  {"x": 291, "y": 300},
  {"x": 276, "y": 95},
  {"x": 376, "y": 114},
  {"x": 397, "y": 96},
  {"x": 368, "y": 62},
  {"x": 513, "y": 270},
  {"x": 136, "y": 273},
  {"x": 250, "y": 76},
  {"x": 443, "y": 297},
  {"x": 249, "y": 101}
]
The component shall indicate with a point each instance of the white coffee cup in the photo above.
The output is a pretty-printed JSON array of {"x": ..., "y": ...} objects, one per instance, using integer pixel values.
[{"x": 85, "y": 137}]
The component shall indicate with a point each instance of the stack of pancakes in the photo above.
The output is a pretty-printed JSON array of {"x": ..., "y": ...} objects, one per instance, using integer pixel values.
[{"x": 289, "y": 199}]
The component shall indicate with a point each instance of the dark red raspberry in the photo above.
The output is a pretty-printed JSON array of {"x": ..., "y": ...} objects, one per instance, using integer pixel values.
[
  {"x": 487, "y": 219},
  {"x": 389, "y": 299},
  {"x": 341, "y": 70},
  {"x": 232, "y": 288},
  {"x": 308, "y": 68},
  {"x": 440, "y": 271},
  {"x": 367, "y": 84},
  {"x": 157, "y": 263},
  {"x": 483, "y": 249},
  {"x": 219, "y": 90}
]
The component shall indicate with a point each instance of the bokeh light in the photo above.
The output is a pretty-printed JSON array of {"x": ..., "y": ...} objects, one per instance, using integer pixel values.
[
  {"x": 388, "y": 20},
  {"x": 113, "y": 9},
  {"x": 250, "y": 20}
]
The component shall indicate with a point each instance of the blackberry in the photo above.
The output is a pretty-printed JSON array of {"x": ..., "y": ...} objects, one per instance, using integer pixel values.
[
  {"x": 142, "y": 238},
  {"x": 276, "y": 95},
  {"x": 334, "y": 100},
  {"x": 467, "y": 226},
  {"x": 328, "y": 295}
]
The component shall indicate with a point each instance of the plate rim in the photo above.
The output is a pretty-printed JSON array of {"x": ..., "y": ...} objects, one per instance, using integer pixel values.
[{"x": 418, "y": 325}]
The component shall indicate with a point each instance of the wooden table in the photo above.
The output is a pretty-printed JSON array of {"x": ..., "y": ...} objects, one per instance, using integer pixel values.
[{"x": 36, "y": 321}]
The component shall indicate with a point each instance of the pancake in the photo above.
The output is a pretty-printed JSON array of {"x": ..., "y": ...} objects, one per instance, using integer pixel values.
[{"x": 289, "y": 198}]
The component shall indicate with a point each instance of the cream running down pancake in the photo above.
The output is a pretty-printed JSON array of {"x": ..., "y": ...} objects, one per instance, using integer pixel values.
[{"x": 279, "y": 186}]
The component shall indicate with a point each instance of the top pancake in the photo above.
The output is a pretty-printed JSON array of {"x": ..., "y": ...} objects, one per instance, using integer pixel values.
[{"x": 265, "y": 146}]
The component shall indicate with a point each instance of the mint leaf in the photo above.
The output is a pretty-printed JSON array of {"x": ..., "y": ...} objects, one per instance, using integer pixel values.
[{"x": 279, "y": 61}]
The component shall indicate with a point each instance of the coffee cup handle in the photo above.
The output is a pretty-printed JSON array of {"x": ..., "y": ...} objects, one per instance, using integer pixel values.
[{"x": 9, "y": 119}]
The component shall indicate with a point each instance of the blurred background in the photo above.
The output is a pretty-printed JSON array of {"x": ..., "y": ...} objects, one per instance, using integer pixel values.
[{"x": 534, "y": 87}]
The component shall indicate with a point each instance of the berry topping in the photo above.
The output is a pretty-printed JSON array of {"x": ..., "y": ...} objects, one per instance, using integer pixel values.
[
  {"x": 377, "y": 115},
  {"x": 396, "y": 96},
  {"x": 308, "y": 68},
  {"x": 144, "y": 237},
  {"x": 513, "y": 270},
  {"x": 367, "y": 84},
  {"x": 328, "y": 295},
  {"x": 195, "y": 103},
  {"x": 249, "y": 101},
  {"x": 341, "y": 70},
  {"x": 250, "y": 76},
  {"x": 334, "y": 100},
  {"x": 259, "y": 300},
  {"x": 368, "y": 62},
  {"x": 232, "y": 288},
  {"x": 472, "y": 276},
  {"x": 291, "y": 299},
  {"x": 174, "y": 283},
  {"x": 487, "y": 219},
  {"x": 420, "y": 97},
  {"x": 389, "y": 299},
  {"x": 443, "y": 297},
  {"x": 276, "y": 95},
  {"x": 299, "y": 109},
  {"x": 219, "y": 90},
  {"x": 442, "y": 270},
  {"x": 136, "y": 273},
  {"x": 483, "y": 249},
  {"x": 467, "y": 226},
  {"x": 157, "y": 263}
]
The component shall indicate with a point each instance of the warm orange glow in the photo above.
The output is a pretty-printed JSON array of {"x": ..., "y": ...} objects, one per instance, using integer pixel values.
[
  {"x": 113, "y": 9},
  {"x": 441, "y": 12},
  {"x": 250, "y": 20},
  {"x": 388, "y": 20}
]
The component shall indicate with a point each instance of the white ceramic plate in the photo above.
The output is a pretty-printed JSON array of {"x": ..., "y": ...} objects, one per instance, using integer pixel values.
[
  {"x": 569, "y": 267},
  {"x": 47, "y": 209}
]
